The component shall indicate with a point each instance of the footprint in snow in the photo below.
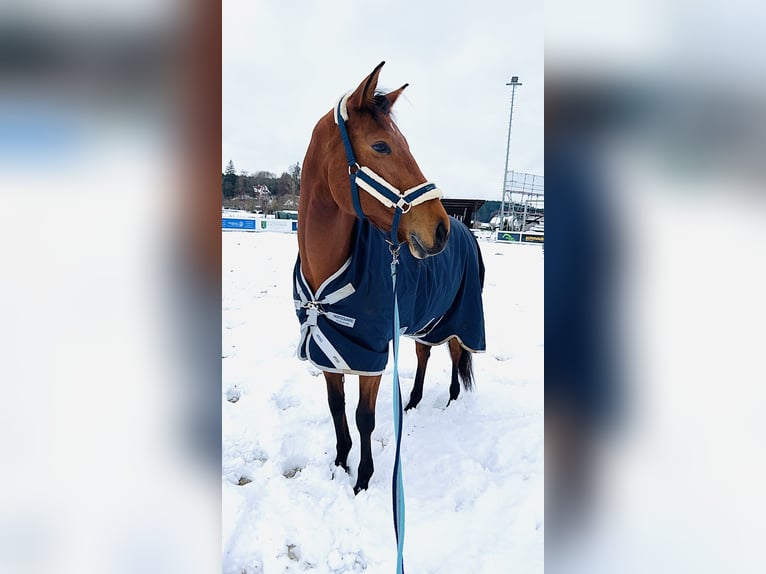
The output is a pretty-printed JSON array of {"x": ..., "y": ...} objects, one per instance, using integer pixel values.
[
  {"x": 233, "y": 394},
  {"x": 285, "y": 401},
  {"x": 291, "y": 472},
  {"x": 293, "y": 553},
  {"x": 346, "y": 561}
]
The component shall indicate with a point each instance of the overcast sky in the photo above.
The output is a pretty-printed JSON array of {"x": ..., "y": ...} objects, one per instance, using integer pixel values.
[{"x": 286, "y": 62}]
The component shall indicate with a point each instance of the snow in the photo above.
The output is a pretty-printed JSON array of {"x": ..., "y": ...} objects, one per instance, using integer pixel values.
[{"x": 473, "y": 472}]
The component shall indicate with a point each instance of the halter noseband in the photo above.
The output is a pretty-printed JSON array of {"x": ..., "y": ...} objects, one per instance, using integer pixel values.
[{"x": 377, "y": 186}]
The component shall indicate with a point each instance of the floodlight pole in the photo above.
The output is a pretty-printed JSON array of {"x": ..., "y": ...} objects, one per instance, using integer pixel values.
[{"x": 513, "y": 83}]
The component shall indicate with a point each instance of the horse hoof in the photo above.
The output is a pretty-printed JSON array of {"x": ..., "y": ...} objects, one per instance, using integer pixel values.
[
  {"x": 412, "y": 404},
  {"x": 358, "y": 489}
]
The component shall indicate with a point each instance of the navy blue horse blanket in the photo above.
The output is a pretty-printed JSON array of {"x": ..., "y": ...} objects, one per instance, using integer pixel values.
[{"x": 346, "y": 326}]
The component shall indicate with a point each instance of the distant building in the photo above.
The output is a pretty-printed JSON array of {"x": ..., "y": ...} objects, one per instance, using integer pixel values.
[
  {"x": 463, "y": 209},
  {"x": 261, "y": 191}
]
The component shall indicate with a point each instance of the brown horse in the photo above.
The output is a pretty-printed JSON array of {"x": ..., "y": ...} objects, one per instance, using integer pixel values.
[{"x": 329, "y": 228}]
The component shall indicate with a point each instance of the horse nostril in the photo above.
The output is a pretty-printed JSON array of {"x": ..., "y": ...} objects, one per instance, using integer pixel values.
[{"x": 440, "y": 237}]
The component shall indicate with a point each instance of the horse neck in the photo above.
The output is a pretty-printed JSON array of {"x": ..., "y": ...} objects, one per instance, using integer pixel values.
[{"x": 324, "y": 237}]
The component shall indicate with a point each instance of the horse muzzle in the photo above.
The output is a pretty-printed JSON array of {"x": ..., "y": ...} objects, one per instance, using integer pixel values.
[{"x": 420, "y": 250}]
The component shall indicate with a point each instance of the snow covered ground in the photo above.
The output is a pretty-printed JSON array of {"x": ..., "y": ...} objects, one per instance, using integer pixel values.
[{"x": 473, "y": 472}]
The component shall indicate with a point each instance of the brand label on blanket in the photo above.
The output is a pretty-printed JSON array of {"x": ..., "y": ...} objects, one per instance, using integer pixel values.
[{"x": 341, "y": 319}]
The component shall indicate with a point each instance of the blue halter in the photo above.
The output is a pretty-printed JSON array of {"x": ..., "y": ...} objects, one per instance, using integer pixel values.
[{"x": 377, "y": 186}]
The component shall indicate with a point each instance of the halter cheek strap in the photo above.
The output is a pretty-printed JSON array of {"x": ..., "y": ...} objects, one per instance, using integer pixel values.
[{"x": 374, "y": 184}]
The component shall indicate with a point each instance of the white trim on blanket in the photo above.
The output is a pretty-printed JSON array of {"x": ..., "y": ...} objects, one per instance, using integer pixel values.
[
  {"x": 348, "y": 371},
  {"x": 459, "y": 340}
]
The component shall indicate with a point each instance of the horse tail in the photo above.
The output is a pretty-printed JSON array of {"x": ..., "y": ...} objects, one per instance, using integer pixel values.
[{"x": 465, "y": 369}]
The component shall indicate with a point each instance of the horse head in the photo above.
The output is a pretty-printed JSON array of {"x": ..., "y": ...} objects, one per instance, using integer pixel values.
[{"x": 382, "y": 150}]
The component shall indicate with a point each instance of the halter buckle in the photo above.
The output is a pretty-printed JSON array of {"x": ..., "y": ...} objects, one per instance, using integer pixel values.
[{"x": 356, "y": 168}]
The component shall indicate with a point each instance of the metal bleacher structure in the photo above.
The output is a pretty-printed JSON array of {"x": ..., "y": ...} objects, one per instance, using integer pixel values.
[{"x": 521, "y": 218}]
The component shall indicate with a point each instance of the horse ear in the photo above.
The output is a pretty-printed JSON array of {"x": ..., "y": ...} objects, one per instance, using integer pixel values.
[
  {"x": 393, "y": 96},
  {"x": 364, "y": 95}
]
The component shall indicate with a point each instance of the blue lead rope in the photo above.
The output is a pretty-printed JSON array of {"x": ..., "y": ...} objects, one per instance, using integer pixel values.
[
  {"x": 397, "y": 486},
  {"x": 401, "y": 202}
]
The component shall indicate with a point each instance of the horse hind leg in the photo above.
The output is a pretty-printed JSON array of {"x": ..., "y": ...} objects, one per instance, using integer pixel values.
[
  {"x": 336, "y": 398},
  {"x": 423, "y": 352},
  {"x": 365, "y": 423},
  {"x": 462, "y": 369}
]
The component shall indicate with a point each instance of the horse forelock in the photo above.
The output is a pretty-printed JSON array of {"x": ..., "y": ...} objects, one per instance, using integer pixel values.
[{"x": 380, "y": 104}]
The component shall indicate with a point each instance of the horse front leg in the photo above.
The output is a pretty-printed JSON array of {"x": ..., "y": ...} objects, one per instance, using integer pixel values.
[
  {"x": 365, "y": 422},
  {"x": 423, "y": 352},
  {"x": 336, "y": 398}
]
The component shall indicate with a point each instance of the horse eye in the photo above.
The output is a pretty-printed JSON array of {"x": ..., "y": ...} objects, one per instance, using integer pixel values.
[{"x": 381, "y": 147}]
